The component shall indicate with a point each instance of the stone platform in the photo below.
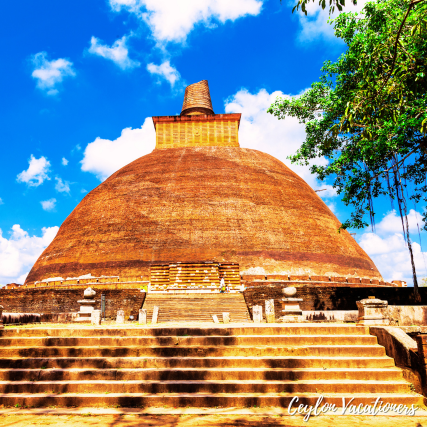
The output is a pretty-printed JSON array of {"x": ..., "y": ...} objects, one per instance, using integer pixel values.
[{"x": 197, "y": 366}]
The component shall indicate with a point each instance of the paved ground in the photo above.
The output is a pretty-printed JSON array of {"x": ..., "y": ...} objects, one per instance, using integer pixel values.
[{"x": 90, "y": 420}]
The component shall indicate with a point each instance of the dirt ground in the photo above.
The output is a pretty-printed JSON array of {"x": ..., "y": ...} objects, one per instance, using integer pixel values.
[{"x": 205, "y": 421}]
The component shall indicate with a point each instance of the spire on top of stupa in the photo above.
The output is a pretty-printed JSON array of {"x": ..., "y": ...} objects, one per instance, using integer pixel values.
[{"x": 197, "y": 99}]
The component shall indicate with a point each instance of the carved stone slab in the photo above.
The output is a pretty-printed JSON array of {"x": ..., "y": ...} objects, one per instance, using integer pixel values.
[
  {"x": 142, "y": 317},
  {"x": 257, "y": 313},
  {"x": 155, "y": 315},
  {"x": 120, "y": 316}
]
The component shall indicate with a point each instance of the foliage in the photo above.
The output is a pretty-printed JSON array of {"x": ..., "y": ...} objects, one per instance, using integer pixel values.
[
  {"x": 424, "y": 282},
  {"x": 339, "y": 4},
  {"x": 367, "y": 114}
]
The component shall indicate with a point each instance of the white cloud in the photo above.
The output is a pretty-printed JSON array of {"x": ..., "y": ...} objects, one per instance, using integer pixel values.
[
  {"x": 332, "y": 207},
  {"x": 174, "y": 20},
  {"x": 21, "y": 279},
  {"x": 315, "y": 25},
  {"x": 391, "y": 223},
  {"x": 48, "y": 205},
  {"x": 391, "y": 256},
  {"x": 50, "y": 73},
  {"x": 103, "y": 157},
  {"x": 64, "y": 161},
  {"x": 165, "y": 71},
  {"x": 1, "y": 201},
  {"x": 262, "y": 131},
  {"x": 20, "y": 252},
  {"x": 388, "y": 248},
  {"x": 62, "y": 186},
  {"x": 36, "y": 173},
  {"x": 118, "y": 52}
]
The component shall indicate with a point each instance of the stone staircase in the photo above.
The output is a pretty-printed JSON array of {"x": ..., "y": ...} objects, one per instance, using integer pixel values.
[
  {"x": 197, "y": 367},
  {"x": 197, "y": 307}
]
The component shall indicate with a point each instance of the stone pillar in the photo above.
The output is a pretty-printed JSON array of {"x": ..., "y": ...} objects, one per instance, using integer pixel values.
[
  {"x": 269, "y": 311},
  {"x": 1, "y": 317},
  {"x": 155, "y": 315},
  {"x": 226, "y": 317},
  {"x": 372, "y": 311},
  {"x": 142, "y": 318},
  {"x": 215, "y": 318},
  {"x": 120, "y": 316},
  {"x": 291, "y": 311},
  {"x": 257, "y": 313},
  {"x": 96, "y": 317}
]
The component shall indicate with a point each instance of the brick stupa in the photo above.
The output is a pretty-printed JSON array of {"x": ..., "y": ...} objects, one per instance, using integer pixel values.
[{"x": 201, "y": 198}]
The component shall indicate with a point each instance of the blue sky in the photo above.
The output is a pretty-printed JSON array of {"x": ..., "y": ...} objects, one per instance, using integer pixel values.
[{"x": 80, "y": 81}]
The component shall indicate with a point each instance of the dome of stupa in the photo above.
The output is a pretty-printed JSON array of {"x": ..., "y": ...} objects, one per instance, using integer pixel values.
[{"x": 199, "y": 197}]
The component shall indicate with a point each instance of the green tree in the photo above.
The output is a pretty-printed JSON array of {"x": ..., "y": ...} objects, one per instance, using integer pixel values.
[
  {"x": 367, "y": 114},
  {"x": 338, "y": 4}
]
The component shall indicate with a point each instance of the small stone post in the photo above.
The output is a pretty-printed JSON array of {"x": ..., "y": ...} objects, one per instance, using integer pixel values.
[
  {"x": 142, "y": 318},
  {"x": 155, "y": 315},
  {"x": 372, "y": 311},
  {"x": 269, "y": 311},
  {"x": 257, "y": 313},
  {"x": 120, "y": 316},
  {"x": 87, "y": 305},
  {"x": 291, "y": 310},
  {"x": 226, "y": 317},
  {"x": 215, "y": 318},
  {"x": 95, "y": 317}
]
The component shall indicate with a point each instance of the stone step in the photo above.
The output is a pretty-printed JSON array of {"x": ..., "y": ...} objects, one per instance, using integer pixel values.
[
  {"x": 210, "y": 298},
  {"x": 200, "y": 399},
  {"x": 196, "y": 366},
  {"x": 182, "y": 306},
  {"x": 256, "y": 340},
  {"x": 176, "y": 308},
  {"x": 276, "y": 362},
  {"x": 166, "y": 317},
  {"x": 252, "y": 386},
  {"x": 121, "y": 331},
  {"x": 199, "y": 278},
  {"x": 199, "y": 306},
  {"x": 194, "y": 351},
  {"x": 193, "y": 374}
]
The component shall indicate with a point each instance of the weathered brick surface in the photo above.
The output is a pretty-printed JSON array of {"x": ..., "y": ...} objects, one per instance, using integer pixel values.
[
  {"x": 50, "y": 301},
  {"x": 331, "y": 298},
  {"x": 197, "y": 98},
  {"x": 219, "y": 204}
]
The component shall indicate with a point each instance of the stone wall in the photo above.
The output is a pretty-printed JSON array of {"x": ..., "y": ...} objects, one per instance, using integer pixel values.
[
  {"x": 50, "y": 301},
  {"x": 403, "y": 349},
  {"x": 332, "y": 298},
  {"x": 422, "y": 357}
]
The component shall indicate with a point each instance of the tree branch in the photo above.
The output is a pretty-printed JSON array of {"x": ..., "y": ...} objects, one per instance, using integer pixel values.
[
  {"x": 413, "y": 3},
  {"x": 391, "y": 167}
]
